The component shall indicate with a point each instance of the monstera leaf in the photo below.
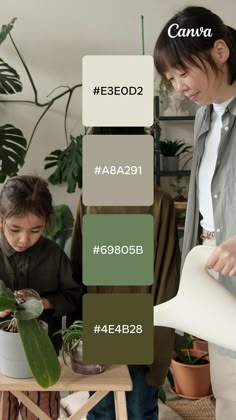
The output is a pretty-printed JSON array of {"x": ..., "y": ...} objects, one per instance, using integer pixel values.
[
  {"x": 68, "y": 164},
  {"x": 6, "y": 29},
  {"x": 12, "y": 150},
  {"x": 9, "y": 79}
]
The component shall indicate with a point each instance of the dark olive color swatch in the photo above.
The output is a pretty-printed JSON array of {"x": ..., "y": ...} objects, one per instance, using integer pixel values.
[{"x": 118, "y": 328}]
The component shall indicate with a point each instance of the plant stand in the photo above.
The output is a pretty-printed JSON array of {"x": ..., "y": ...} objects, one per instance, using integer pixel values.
[{"x": 115, "y": 378}]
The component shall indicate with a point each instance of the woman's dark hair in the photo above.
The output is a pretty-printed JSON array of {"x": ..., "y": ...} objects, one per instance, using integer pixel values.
[
  {"x": 182, "y": 51},
  {"x": 26, "y": 194}
]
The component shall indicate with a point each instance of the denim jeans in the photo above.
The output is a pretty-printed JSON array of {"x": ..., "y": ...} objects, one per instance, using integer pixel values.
[{"x": 141, "y": 401}]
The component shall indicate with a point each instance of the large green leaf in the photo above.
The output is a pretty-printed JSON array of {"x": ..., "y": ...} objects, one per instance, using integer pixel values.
[
  {"x": 6, "y": 29},
  {"x": 7, "y": 303},
  {"x": 12, "y": 150},
  {"x": 9, "y": 79},
  {"x": 31, "y": 309},
  {"x": 68, "y": 164},
  {"x": 39, "y": 352}
]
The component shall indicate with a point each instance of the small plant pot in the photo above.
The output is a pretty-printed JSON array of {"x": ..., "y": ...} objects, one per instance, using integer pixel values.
[
  {"x": 201, "y": 345},
  {"x": 78, "y": 366},
  {"x": 169, "y": 163},
  {"x": 192, "y": 381},
  {"x": 13, "y": 361}
]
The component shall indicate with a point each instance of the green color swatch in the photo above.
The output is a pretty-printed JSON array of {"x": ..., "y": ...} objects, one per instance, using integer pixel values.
[{"x": 118, "y": 249}]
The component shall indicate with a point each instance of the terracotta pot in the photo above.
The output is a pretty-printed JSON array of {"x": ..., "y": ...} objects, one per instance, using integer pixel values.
[
  {"x": 78, "y": 366},
  {"x": 201, "y": 345},
  {"x": 191, "y": 381}
]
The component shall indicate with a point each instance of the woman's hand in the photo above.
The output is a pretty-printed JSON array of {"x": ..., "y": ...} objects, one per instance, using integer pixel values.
[
  {"x": 223, "y": 258},
  {"x": 5, "y": 313}
]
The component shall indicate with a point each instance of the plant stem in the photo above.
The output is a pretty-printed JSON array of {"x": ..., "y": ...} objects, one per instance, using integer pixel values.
[
  {"x": 142, "y": 25},
  {"x": 37, "y": 123},
  {"x": 43, "y": 104},
  {"x": 26, "y": 69}
]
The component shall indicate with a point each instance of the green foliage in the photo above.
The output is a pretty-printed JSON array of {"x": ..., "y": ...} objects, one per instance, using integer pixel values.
[
  {"x": 62, "y": 223},
  {"x": 188, "y": 359},
  {"x": 71, "y": 337},
  {"x": 12, "y": 151},
  {"x": 39, "y": 352},
  {"x": 38, "y": 347},
  {"x": 9, "y": 79},
  {"x": 13, "y": 145},
  {"x": 178, "y": 187},
  {"x": 68, "y": 164},
  {"x": 174, "y": 147},
  {"x": 161, "y": 394},
  {"x": 6, "y": 29}
]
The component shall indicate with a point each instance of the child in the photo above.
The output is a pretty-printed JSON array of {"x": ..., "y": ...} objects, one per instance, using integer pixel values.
[{"x": 28, "y": 260}]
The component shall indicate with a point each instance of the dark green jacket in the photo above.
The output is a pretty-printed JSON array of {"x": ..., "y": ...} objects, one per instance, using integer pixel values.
[
  {"x": 45, "y": 268},
  {"x": 166, "y": 269}
]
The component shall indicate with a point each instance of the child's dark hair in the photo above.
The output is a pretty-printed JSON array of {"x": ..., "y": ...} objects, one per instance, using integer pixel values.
[
  {"x": 26, "y": 194},
  {"x": 182, "y": 51}
]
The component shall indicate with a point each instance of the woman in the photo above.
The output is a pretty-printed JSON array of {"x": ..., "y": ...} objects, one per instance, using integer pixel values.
[{"x": 196, "y": 51}]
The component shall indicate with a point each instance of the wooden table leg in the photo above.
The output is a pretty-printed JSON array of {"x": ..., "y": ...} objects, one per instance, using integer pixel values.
[
  {"x": 90, "y": 403},
  {"x": 35, "y": 409},
  {"x": 1, "y": 404},
  {"x": 120, "y": 405}
]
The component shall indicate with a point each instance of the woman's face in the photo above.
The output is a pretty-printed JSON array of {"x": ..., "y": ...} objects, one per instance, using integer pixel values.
[
  {"x": 22, "y": 232},
  {"x": 200, "y": 84}
]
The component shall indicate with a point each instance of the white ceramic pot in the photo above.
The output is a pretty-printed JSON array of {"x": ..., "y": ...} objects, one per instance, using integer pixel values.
[{"x": 13, "y": 362}]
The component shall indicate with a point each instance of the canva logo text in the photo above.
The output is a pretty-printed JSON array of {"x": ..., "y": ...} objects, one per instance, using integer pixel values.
[{"x": 186, "y": 32}]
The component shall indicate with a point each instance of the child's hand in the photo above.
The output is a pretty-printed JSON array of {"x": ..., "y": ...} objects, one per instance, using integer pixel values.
[
  {"x": 5, "y": 313},
  {"x": 46, "y": 303}
]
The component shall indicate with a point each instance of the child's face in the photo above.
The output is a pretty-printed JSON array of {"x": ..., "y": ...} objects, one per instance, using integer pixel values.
[{"x": 22, "y": 232}]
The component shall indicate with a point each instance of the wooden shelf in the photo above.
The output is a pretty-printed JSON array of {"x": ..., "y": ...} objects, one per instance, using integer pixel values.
[
  {"x": 175, "y": 118},
  {"x": 175, "y": 173}
]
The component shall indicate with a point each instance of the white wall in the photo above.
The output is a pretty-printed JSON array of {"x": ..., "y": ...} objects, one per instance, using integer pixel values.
[{"x": 54, "y": 35}]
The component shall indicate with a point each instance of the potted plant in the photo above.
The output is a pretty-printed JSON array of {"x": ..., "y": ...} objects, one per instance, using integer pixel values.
[
  {"x": 72, "y": 346},
  {"x": 191, "y": 372},
  {"x": 170, "y": 151},
  {"x": 23, "y": 339},
  {"x": 200, "y": 344}
]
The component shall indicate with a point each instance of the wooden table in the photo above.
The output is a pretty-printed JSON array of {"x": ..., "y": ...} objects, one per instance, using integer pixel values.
[{"x": 115, "y": 378}]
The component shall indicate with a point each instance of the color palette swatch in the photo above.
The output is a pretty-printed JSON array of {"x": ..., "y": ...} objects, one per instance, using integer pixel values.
[
  {"x": 118, "y": 90},
  {"x": 118, "y": 249},
  {"x": 118, "y": 328},
  {"x": 118, "y": 170},
  {"x": 118, "y": 243}
]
